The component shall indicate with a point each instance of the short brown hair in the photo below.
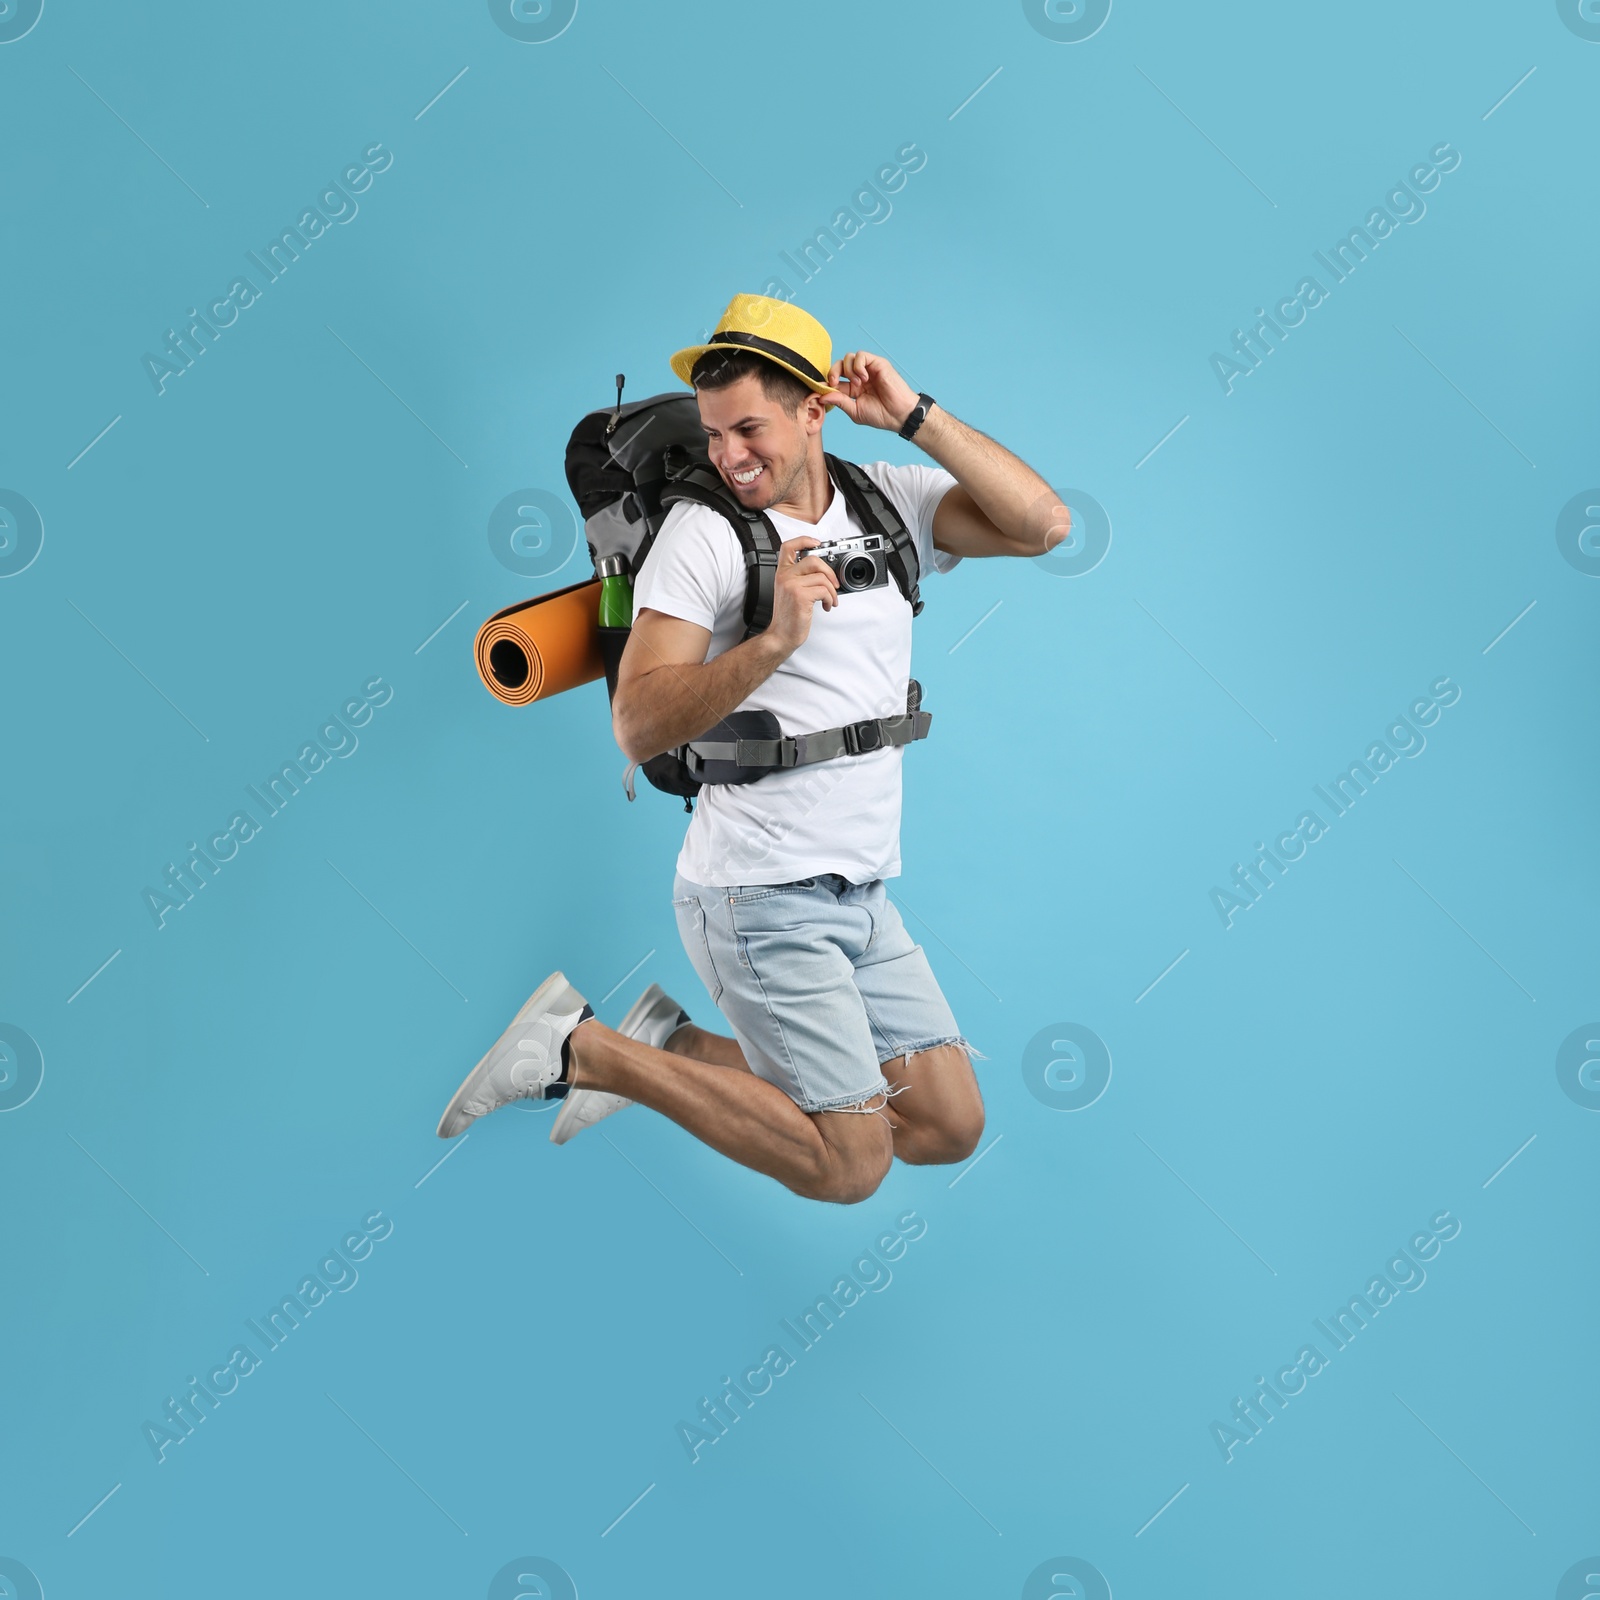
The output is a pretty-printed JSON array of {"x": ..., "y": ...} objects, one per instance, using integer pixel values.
[{"x": 719, "y": 369}]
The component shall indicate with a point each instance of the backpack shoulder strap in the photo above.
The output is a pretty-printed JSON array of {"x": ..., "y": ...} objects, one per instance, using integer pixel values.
[
  {"x": 758, "y": 539},
  {"x": 876, "y": 513}
]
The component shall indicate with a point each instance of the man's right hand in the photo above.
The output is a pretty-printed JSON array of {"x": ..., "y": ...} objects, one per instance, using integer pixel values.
[
  {"x": 669, "y": 693},
  {"x": 799, "y": 583}
]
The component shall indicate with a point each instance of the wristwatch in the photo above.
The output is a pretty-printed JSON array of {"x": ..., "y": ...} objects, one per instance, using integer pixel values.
[{"x": 919, "y": 413}]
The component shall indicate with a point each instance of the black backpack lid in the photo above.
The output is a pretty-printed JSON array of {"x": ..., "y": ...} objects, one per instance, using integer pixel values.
[{"x": 602, "y": 460}]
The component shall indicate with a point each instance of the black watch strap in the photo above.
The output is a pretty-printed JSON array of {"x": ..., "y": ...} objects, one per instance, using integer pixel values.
[{"x": 919, "y": 413}]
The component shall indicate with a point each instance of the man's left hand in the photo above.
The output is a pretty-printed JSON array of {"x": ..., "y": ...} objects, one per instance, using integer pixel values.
[{"x": 872, "y": 393}]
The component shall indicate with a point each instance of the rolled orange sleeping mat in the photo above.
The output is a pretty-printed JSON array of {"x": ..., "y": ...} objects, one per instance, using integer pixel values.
[{"x": 543, "y": 646}]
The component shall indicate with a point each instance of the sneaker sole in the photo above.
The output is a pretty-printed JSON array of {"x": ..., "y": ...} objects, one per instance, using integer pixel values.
[{"x": 536, "y": 1001}]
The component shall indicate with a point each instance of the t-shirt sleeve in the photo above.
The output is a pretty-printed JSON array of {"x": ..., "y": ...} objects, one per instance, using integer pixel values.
[
  {"x": 690, "y": 572},
  {"x": 916, "y": 491}
]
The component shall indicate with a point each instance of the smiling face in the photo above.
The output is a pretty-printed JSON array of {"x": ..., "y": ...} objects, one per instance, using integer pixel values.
[{"x": 763, "y": 452}]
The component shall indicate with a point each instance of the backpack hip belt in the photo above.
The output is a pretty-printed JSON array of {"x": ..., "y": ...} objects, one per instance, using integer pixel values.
[
  {"x": 752, "y": 757},
  {"x": 748, "y": 745}
]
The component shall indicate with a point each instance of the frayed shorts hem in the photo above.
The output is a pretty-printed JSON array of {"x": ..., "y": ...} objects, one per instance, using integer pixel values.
[
  {"x": 859, "y": 1103},
  {"x": 848, "y": 1102},
  {"x": 917, "y": 1047}
]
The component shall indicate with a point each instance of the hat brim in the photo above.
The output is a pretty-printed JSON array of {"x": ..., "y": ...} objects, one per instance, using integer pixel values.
[{"x": 683, "y": 365}]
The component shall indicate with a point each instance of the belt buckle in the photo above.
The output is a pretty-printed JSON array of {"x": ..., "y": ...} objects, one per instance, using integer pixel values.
[{"x": 864, "y": 736}]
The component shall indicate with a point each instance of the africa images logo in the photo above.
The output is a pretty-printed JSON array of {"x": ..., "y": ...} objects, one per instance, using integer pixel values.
[
  {"x": 335, "y": 739},
  {"x": 1403, "y": 1272},
  {"x": 1402, "y": 738},
  {"x": 336, "y": 202},
  {"x": 869, "y": 1273},
  {"x": 1402, "y": 203},
  {"x": 21, "y": 533},
  {"x": 336, "y": 1273}
]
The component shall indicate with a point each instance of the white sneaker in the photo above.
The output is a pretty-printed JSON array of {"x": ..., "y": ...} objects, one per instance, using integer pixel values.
[
  {"x": 652, "y": 1019},
  {"x": 525, "y": 1062}
]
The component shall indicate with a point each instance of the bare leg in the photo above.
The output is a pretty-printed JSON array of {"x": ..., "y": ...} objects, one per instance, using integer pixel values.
[
  {"x": 700, "y": 1045},
  {"x": 937, "y": 1118},
  {"x": 826, "y": 1155}
]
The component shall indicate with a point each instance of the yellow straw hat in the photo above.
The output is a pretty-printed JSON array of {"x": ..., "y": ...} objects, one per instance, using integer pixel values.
[{"x": 784, "y": 334}]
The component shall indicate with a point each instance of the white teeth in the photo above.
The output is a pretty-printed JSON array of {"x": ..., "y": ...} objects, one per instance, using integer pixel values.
[{"x": 747, "y": 477}]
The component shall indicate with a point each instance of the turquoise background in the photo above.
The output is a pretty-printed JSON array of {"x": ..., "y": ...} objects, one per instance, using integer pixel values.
[{"x": 307, "y": 508}]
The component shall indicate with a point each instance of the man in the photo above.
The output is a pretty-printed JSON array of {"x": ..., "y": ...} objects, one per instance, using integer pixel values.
[{"x": 845, "y": 1053}]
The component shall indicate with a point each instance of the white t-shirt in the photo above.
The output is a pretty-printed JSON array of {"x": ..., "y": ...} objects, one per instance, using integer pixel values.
[{"x": 833, "y": 816}]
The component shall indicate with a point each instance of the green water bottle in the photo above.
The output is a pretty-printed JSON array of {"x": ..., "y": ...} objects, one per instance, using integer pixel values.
[{"x": 616, "y": 593}]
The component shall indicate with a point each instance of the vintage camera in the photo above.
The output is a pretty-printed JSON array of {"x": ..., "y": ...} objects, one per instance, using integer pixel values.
[{"x": 859, "y": 563}]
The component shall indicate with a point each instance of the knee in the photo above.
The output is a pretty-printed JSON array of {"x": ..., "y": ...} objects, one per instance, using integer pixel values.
[
  {"x": 953, "y": 1138},
  {"x": 852, "y": 1187},
  {"x": 846, "y": 1178}
]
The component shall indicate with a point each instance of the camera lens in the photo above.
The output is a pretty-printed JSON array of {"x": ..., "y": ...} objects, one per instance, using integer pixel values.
[{"x": 859, "y": 572}]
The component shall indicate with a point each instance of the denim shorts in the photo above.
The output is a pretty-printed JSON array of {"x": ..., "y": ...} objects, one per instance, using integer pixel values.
[{"x": 819, "y": 981}]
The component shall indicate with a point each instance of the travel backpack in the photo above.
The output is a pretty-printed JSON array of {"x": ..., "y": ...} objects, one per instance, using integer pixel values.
[{"x": 627, "y": 466}]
